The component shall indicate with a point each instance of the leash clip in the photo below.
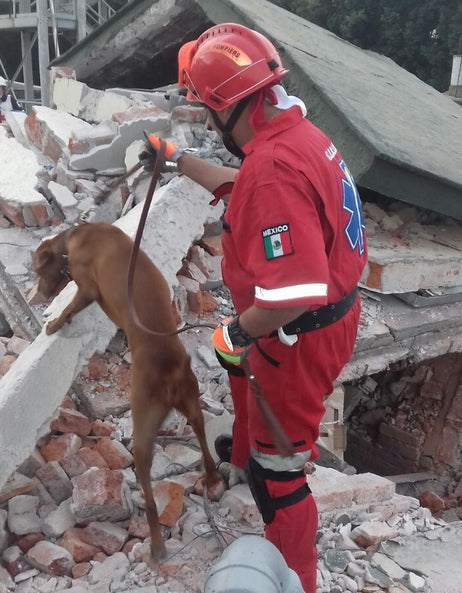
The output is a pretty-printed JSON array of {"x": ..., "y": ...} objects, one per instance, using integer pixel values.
[{"x": 287, "y": 340}]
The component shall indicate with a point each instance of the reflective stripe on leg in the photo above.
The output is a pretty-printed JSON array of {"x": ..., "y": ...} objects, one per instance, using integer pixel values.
[
  {"x": 267, "y": 504},
  {"x": 278, "y": 463}
]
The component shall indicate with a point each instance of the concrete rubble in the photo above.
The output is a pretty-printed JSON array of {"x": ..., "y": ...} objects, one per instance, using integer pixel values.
[{"x": 71, "y": 513}]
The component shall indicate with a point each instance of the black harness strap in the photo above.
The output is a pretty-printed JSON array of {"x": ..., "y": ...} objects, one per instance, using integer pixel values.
[{"x": 268, "y": 505}]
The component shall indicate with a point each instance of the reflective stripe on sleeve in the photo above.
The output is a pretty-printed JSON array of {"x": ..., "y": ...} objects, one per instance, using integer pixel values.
[{"x": 286, "y": 293}]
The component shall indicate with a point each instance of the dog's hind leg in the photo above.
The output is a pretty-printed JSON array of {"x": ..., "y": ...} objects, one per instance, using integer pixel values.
[
  {"x": 189, "y": 406},
  {"x": 148, "y": 413}
]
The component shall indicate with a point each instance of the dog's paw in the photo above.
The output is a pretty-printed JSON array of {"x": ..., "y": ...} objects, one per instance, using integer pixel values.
[
  {"x": 232, "y": 474},
  {"x": 214, "y": 486},
  {"x": 52, "y": 327}
]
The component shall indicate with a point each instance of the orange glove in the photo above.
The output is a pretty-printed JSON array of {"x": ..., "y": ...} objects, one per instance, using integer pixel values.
[
  {"x": 148, "y": 156},
  {"x": 230, "y": 341},
  {"x": 171, "y": 151}
]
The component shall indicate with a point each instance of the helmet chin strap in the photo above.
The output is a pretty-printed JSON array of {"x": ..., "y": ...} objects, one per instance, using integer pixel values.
[{"x": 227, "y": 128}]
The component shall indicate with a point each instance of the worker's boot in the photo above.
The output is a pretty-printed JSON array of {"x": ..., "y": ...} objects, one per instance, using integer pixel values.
[{"x": 223, "y": 446}]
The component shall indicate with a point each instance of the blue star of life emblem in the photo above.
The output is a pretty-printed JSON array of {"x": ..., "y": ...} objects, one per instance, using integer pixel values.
[{"x": 351, "y": 203}]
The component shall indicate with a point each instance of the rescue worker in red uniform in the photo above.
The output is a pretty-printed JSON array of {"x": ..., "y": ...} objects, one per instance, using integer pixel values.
[{"x": 294, "y": 249}]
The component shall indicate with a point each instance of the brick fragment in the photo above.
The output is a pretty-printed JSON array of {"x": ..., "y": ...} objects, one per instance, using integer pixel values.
[
  {"x": 50, "y": 558},
  {"x": 114, "y": 453},
  {"x": 81, "y": 550},
  {"x": 71, "y": 421},
  {"x": 61, "y": 446}
]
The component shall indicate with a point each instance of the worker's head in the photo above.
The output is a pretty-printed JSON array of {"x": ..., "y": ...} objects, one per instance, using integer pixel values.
[
  {"x": 224, "y": 67},
  {"x": 2, "y": 84}
]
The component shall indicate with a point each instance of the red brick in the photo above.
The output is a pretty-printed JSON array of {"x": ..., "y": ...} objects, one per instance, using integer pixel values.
[
  {"x": 68, "y": 403},
  {"x": 102, "y": 428},
  {"x": 81, "y": 569},
  {"x": 78, "y": 146},
  {"x": 52, "y": 147},
  {"x": 137, "y": 113},
  {"x": 208, "y": 304},
  {"x": 13, "y": 212},
  {"x": 138, "y": 526},
  {"x": 196, "y": 256},
  {"x": 62, "y": 72},
  {"x": 72, "y": 541},
  {"x": 374, "y": 276},
  {"x": 51, "y": 558},
  {"x": 448, "y": 446},
  {"x": 60, "y": 447},
  {"x": 212, "y": 245},
  {"x": 101, "y": 494},
  {"x": 189, "y": 114},
  {"x": 92, "y": 458},
  {"x": 71, "y": 421},
  {"x": 105, "y": 535},
  {"x": 42, "y": 214},
  {"x": 33, "y": 129},
  {"x": 170, "y": 502},
  {"x": 114, "y": 453},
  {"x": 26, "y": 542},
  {"x": 431, "y": 501},
  {"x": 96, "y": 368}
]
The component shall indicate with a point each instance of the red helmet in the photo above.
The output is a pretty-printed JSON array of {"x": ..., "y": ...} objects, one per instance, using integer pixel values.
[{"x": 227, "y": 63}]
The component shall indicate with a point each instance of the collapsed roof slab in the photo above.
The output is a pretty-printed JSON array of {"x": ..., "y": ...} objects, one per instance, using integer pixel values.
[
  {"x": 137, "y": 46},
  {"x": 399, "y": 136}
]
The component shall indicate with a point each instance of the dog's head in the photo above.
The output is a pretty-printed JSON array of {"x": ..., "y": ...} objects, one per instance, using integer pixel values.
[{"x": 50, "y": 264}]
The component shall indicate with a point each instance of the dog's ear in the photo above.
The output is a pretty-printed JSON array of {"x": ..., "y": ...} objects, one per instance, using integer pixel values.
[{"x": 42, "y": 257}]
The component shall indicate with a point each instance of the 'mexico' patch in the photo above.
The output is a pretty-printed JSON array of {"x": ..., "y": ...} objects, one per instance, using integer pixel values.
[{"x": 277, "y": 241}]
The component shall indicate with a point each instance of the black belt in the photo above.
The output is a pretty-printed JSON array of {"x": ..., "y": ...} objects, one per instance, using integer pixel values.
[{"x": 321, "y": 317}]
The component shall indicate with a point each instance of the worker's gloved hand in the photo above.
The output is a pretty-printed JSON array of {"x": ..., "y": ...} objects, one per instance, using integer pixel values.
[
  {"x": 230, "y": 341},
  {"x": 148, "y": 156}
]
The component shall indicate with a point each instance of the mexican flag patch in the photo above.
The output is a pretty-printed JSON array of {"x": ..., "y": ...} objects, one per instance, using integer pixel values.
[{"x": 277, "y": 241}]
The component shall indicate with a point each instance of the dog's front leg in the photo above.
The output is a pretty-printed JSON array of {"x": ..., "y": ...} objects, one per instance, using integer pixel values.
[{"x": 78, "y": 303}]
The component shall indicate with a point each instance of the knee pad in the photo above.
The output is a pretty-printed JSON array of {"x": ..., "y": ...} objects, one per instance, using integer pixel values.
[{"x": 267, "y": 505}]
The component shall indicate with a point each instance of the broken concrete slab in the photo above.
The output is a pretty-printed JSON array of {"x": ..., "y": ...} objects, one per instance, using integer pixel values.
[
  {"x": 51, "y": 131},
  {"x": 403, "y": 333},
  {"x": 437, "y": 555},
  {"x": 410, "y": 262},
  {"x": 19, "y": 196},
  {"x": 113, "y": 154},
  {"x": 404, "y": 321},
  {"x": 139, "y": 42}
]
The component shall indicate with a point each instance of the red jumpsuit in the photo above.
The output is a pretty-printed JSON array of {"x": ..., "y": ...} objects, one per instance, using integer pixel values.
[{"x": 293, "y": 235}]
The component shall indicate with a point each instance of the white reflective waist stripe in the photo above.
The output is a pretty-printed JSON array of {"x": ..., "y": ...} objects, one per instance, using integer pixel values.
[
  {"x": 291, "y": 292},
  {"x": 277, "y": 463}
]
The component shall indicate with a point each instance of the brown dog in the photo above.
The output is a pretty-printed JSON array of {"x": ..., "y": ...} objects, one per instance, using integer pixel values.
[{"x": 96, "y": 256}]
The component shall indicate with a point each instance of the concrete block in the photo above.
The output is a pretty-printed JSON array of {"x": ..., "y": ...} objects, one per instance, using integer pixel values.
[
  {"x": 63, "y": 196},
  {"x": 51, "y": 130},
  {"x": 68, "y": 95},
  {"x": 109, "y": 104},
  {"x": 410, "y": 262}
]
